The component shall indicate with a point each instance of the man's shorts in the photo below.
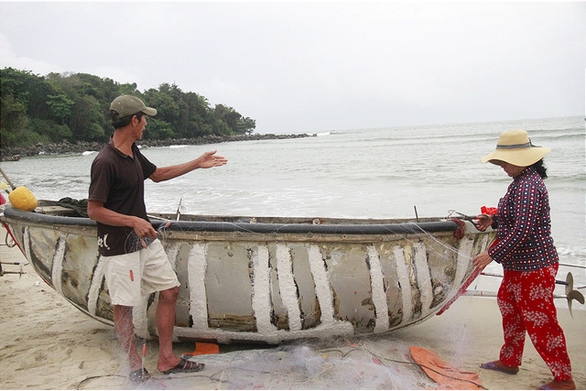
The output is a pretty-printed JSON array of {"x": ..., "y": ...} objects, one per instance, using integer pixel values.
[{"x": 132, "y": 276}]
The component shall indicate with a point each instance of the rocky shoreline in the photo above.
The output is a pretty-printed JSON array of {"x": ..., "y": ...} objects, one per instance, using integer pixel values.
[{"x": 65, "y": 147}]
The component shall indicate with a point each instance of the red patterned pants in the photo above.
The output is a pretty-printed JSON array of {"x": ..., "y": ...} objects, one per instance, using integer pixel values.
[{"x": 526, "y": 303}]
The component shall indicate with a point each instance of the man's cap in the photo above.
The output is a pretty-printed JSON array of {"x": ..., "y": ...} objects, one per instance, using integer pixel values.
[{"x": 126, "y": 105}]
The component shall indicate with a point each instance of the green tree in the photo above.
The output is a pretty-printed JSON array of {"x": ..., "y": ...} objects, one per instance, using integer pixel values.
[
  {"x": 29, "y": 89},
  {"x": 60, "y": 106},
  {"x": 246, "y": 125},
  {"x": 158, "y": 129},
  {"x": 231, "y": 118},
  {"x": 220, "y": 128},
  {"x": 75, "y": 106},
  {"x": 86, "y": 122},
  {"x": 126, "y": 89},
  {"x": 198, "y": 115},
  {"x": 49, "y": 131},
  {"x": 13, "y": 122}
]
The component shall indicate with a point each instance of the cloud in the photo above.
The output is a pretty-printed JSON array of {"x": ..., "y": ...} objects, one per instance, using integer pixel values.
[
  {"x": 311, "y": 66},
  {"x": 9, "y": 59}
]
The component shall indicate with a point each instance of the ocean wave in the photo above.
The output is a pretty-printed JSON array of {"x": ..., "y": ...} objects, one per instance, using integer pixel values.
[
  {"x": 572, "y": 251},
  {"x": 559, "y": 133}
]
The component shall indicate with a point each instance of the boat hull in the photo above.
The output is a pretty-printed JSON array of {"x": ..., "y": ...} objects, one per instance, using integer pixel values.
[{"x": 243, "y": 279}]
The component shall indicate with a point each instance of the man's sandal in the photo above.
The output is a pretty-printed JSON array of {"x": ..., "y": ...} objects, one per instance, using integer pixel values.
[{"x": 185, "y": 366}]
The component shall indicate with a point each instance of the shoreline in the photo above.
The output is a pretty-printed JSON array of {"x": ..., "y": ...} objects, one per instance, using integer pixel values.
[
  {"x": 46, "y": 343},
  {"x": 6, "y": 153}
]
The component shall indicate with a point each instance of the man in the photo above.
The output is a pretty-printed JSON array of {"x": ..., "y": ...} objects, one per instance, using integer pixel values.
[{"x": 134, "y": 259}]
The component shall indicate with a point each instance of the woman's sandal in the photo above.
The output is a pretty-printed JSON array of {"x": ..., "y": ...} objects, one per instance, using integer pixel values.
[
  {"x": 493, "y": 366},
  {"x": 559, "y": 385}
]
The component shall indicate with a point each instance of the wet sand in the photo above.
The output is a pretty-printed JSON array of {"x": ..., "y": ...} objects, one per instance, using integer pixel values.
[{"x": 46, "y": 343}]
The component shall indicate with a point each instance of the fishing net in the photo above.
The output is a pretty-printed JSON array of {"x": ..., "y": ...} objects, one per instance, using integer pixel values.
[{"x": 360, "y": 363}]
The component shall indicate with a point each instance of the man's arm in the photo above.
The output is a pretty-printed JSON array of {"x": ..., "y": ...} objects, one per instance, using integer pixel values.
[
  {"x": 207, "y": 160},
  {"x": 96, "y": 211}
]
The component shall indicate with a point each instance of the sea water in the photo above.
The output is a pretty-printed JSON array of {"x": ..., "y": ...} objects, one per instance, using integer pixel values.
[{"x": 394, "y": 172}]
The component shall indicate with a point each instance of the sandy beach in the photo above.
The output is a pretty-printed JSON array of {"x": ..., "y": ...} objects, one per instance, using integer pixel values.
[{"x": 46, "y": 343}]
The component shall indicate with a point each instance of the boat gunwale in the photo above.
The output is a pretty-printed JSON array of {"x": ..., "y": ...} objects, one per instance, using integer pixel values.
[{"x": 252, "y": 227}]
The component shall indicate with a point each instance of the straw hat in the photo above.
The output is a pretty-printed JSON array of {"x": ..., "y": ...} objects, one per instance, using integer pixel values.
[{"x": 514, "y": 147}]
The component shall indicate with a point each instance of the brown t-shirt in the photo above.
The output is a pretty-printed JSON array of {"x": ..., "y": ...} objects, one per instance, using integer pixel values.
[{"x": 117, "y": 180}]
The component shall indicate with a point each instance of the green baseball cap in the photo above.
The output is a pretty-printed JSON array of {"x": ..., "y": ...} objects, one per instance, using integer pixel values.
[{"x": 127, "y": 105}]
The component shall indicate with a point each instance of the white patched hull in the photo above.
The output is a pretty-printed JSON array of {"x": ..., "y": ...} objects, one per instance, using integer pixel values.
[{"x": 246, "y": 279}]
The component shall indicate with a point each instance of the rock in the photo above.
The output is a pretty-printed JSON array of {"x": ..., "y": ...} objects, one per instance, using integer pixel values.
[{"x": 79, "y": 147}]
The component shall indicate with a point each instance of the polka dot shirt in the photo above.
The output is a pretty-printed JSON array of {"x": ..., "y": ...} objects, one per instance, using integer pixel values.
[{"x": 524, "y": 225}]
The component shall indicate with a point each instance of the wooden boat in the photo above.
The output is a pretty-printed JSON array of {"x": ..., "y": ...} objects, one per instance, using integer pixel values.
[
  {"x": 267, "y": 279},
  {"x": 13, "y": 158}
]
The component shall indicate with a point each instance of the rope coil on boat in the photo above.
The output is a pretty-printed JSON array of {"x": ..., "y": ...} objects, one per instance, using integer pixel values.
[{"x": 461, "y": 230}]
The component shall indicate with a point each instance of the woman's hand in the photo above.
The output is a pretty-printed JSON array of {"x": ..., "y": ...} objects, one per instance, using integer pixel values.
[
  {"x": 484, "y": 221},
  {"x": 482, "y": 260}
]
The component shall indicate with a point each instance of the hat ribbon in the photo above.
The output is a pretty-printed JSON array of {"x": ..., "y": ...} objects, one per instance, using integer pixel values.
[{"x": 516, "y": 146}]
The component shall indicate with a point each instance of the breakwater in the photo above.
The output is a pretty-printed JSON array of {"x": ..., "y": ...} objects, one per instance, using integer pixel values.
[{"x": 66, "y": 147}]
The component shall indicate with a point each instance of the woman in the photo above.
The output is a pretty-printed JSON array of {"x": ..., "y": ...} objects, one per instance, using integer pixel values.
[{"x": 529, "y": 258}]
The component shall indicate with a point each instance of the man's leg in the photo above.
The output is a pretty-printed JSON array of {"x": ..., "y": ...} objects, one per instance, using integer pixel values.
[
  {"x": 158, "y": 276},
  {"x": 125, "y": 332},
  {"x": 165, "y": 319}
]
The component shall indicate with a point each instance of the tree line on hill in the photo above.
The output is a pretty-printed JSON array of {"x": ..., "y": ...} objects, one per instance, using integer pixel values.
[{"x": 73, "y": 108}]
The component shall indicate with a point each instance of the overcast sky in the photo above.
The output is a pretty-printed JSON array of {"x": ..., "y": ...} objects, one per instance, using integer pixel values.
[{"x": 311, "y": 67}]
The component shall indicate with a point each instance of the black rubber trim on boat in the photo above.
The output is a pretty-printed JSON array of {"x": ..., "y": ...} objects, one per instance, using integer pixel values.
[
  {"x": 339, "y": 229},
  {"x": 215, "y": 226}
]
